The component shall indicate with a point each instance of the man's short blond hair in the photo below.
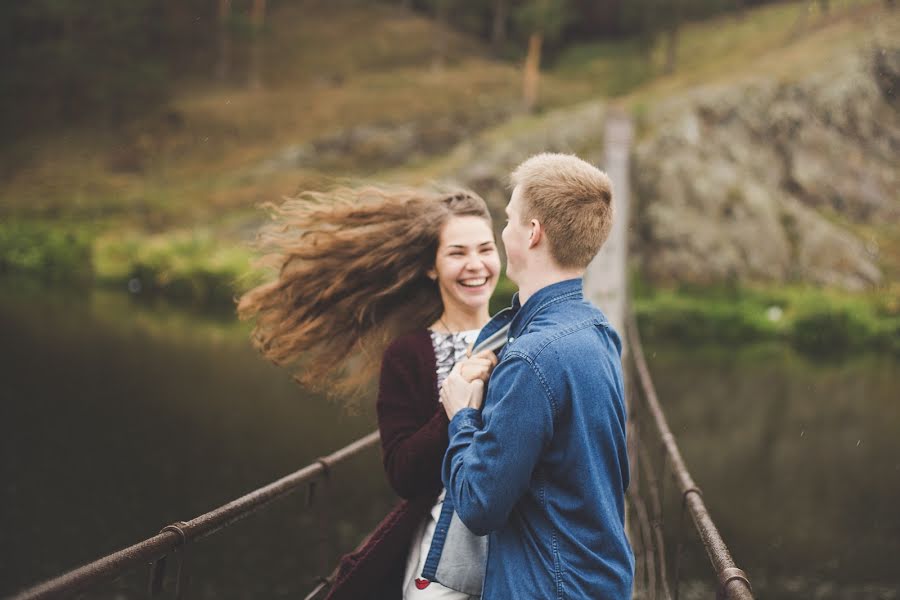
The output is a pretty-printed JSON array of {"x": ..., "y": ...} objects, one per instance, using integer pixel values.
[{"x": 572, "y": 200}]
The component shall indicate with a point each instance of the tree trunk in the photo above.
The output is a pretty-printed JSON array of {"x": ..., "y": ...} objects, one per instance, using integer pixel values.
[
  {"x": 498, "y": 33},
  {"x": 672, "y": 38},
  {"x": 532, "y": 71},
  {"x": 223, "y": 61},
  {"x": 257, "y": 22}
]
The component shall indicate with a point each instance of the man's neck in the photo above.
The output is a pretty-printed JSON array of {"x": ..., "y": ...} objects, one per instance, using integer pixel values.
[{"x": 541, "y": 279}]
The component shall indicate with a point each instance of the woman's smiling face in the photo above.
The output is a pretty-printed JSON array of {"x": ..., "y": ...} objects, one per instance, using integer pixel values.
[{"x": 467, "y": 264}]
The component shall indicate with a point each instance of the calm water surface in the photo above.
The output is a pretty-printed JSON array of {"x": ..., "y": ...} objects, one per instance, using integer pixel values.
[{"x": 117, "y": 418}]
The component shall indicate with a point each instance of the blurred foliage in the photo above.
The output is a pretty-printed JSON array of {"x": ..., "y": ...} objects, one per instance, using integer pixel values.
[
  {"x": 503, "y": 294},
  {"x": 190, "y": 266},
  {"x": 814, "y": 320},
  {"x": 65, "y": 61},
  {"x": 46, "y": 251},
  {"x": 195, "y": 267},
  {"x": 62, "y": 60}
]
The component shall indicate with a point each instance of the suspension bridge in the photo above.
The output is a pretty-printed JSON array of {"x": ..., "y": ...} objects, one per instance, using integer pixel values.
[{"x": 666, "y": 508}]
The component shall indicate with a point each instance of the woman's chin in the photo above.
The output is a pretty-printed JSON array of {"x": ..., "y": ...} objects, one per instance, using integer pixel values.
[{"x": 476, "y": 298}]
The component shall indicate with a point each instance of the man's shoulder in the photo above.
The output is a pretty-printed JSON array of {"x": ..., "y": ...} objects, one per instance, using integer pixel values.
[{"x": 587, "y": 331}]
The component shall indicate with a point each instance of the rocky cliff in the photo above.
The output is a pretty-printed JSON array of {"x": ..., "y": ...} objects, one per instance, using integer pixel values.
[{"x": 768, "y": 181}]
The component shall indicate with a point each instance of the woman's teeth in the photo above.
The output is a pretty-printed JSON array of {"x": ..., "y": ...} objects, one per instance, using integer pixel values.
[{"x": 473, "y": 282}]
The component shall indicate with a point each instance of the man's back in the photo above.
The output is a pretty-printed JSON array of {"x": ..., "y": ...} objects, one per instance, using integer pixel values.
[{"x": 545, "y": 467}]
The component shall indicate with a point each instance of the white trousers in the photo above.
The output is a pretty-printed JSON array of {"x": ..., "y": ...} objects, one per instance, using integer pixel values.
[{"x": 414, "y": 587}]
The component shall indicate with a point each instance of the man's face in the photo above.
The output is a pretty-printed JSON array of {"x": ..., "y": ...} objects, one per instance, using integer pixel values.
[{"x": 515, "y": 236}]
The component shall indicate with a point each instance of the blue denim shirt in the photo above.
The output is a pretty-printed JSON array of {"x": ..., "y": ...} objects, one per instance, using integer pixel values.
[{"x": 542, "y": 468}]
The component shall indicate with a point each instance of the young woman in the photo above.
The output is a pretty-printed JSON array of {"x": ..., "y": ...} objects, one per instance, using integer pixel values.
[{"x": 405, "y": 273}]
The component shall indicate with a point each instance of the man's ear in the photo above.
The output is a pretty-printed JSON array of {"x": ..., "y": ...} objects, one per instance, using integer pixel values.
[{"x": 537, "y": 233}]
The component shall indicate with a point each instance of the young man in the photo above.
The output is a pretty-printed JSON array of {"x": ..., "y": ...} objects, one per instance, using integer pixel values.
[{"x": 543, "y": 467}]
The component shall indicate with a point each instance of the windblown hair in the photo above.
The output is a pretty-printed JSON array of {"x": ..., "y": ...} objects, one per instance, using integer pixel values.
[
  {"x": 572, "y": 199},
  {"x": 352, "y": 270}
]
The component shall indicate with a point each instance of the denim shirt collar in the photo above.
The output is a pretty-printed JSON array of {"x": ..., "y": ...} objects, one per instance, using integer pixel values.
[
  {"x": 570, "y": 289},
  {"x": 516, "y": 317}
]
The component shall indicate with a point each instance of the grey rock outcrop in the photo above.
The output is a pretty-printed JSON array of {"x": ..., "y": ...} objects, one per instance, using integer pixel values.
[{"x": 764, "y": 180}]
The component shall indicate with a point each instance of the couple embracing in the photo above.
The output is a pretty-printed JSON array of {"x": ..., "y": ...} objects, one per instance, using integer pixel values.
[{"x": 512, "y": 463}]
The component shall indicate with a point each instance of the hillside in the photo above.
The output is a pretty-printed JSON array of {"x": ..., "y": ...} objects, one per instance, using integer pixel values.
[
  {"x": 767, "y": 175},
  {"x": 340, "y": 85},
  {"x": 359, "y": 95}
]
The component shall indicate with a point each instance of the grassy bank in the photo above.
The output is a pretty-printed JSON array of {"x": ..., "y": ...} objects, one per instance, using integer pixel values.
[
  {"x": 194, "y": 267},
  {"x": 187, "y": 266},
  {"x": 813, "y": 320}
]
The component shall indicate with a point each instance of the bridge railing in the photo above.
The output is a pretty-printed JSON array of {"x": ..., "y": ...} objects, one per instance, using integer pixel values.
[
  {"x": 656, "y": 459},
  {"x": 172, "y": 540}
]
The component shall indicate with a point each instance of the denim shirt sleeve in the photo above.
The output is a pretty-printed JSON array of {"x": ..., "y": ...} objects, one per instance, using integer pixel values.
[{"x": 493, "y": 453}]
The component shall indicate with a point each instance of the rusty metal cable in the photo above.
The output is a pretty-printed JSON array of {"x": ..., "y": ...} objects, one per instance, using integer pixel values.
[
  {"x": 172, "y": 537},
  {"x": 733, "y": 583}
]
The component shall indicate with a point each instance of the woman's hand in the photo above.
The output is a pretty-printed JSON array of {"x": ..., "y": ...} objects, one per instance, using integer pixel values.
[
  {"x": 457, "y": 393},
  {"x": 478, "y": 366}
]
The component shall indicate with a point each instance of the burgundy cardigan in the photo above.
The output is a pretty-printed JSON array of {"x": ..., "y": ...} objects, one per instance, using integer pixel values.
[{"x": 414, "y": 438}]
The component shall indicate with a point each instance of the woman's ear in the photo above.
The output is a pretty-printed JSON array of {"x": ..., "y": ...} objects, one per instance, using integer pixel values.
[{"x": 432, "y": 274}]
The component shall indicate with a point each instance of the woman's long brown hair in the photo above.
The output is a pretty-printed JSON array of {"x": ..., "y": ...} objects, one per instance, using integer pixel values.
[{"x": 352, "y": 269}]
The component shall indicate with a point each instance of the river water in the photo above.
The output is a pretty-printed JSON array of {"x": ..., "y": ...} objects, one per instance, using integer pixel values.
[{"x": 118, "y": 417}]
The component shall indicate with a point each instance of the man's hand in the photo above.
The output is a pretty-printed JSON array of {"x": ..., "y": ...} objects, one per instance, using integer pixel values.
[{"x": 457, "y": 393}]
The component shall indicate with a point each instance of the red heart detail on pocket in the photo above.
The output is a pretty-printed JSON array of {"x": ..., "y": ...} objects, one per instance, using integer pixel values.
[{"x": 421, "y": 584}]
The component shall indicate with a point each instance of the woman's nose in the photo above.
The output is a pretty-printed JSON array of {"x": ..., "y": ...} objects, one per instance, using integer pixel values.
[{"x": 474, "y": 263}]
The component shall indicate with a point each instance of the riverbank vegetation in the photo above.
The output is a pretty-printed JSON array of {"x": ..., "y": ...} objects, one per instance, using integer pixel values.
[{"x": 813, "y": 320}]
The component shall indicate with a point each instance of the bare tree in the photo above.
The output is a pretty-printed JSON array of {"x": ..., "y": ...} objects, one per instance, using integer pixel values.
[
  {"x": 672, "y": 30},
  {"x": 532, "y": 73},
  {"x": 545, "y": 19}
]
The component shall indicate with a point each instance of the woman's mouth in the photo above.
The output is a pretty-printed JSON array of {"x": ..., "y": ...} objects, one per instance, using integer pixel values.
[{"x": 475, "y": 282}]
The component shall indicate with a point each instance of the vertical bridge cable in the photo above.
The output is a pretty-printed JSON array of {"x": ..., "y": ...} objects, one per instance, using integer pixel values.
[
  {"x": 653, "y": 490},
  {"x": 158, "y": 571}
]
